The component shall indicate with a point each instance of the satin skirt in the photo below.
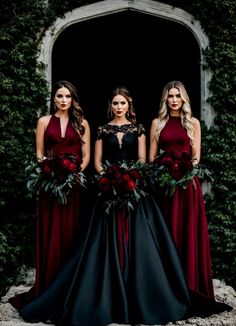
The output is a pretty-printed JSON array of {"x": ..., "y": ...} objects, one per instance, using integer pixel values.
[
  {"x": 57, "y": 234},
  {"x": 126, "y": 270},
  {"x": 186, "y": 217}
]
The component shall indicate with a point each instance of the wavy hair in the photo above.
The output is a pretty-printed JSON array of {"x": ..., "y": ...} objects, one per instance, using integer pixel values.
[
  {"x": 130, "y": 115},
  {"x": 76, "y": 114},
  {"x": 185, "y": 113}
]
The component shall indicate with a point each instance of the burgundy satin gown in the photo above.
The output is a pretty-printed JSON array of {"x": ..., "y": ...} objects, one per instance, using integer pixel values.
[
  {"x": 186, "y": 216},
  {"x": 57, "y": 225}
]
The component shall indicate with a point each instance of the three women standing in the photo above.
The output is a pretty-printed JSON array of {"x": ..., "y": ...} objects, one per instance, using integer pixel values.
[{"x": 127, "y": 270}]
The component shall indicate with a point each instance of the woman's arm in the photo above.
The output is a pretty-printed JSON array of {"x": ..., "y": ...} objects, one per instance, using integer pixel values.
[
  {"x": 40, "y": 130},
  {"x": 153, "y": 141},
  {"x": 98, "y": 156},
  {"x": 196, "y": 149},
  {"x": 142, "y": 148},
  {"x": 85, "y": 145}
]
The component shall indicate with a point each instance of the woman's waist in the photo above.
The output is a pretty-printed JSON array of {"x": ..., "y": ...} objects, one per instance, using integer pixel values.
[{"x": 52, "y": 152}]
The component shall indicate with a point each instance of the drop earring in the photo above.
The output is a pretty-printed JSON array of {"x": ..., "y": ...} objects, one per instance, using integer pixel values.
[{"x": 110, "y": 114}]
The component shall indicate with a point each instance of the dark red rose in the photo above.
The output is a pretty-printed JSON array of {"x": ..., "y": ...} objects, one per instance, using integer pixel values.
[
  {"x": 104, "y": 184},
  {"x": 186, "y": 156},
  {"x": 176, "y": 155},
  {"x": 113, "y": 169},
  {"x": 124, "y": 180},
  {"x": 117, "y": 175},
  {"x": 72, "y": 167},
  {"x": 47, "y": 170},
  {"x": 175, "y": 170},
  {"x": 116, "y": 181},
  {"x": 129, "y": 185},
  {"x": 47, "y": 167},
  {"x": 177, "y": 175},
  {"x": 103, "y": 180},
  {"x": 175, "y": 165},
  {"x": 134, "y": 174},
  {"x": 166, "y": 161},
  {"x": 125, "y": 177},
  {"x": 187, "y": 165},
  {"x": 65, "y": 162}
]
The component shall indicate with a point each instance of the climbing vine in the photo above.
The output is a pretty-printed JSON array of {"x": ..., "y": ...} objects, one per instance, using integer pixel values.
[{"x": 24, "y": 93}]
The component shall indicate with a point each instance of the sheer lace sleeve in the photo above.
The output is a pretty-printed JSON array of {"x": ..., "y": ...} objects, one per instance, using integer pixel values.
[
  {"x": 141, "y": 130},
  {"x": 99, "y": 132}
]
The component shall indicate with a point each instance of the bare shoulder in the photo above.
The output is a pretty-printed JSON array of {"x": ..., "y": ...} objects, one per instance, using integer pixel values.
[
  {"x": 44, "y": 120},
  {"x": 154, "y": 123},
  {"x": 85, "y": 123},
  {"x": 196, "y": 122}
]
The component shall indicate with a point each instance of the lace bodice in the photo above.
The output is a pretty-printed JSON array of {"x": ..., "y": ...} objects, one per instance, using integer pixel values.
[{"x": 120, "y": 143}]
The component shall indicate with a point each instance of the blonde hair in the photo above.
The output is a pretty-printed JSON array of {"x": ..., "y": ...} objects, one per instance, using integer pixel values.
[{"x": 185, "y": 113}]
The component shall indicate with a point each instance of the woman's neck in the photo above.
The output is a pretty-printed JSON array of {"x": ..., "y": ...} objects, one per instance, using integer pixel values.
[
  {"x": 62, "y": 114},
  {"x": 119, "y": 122},
  {"x": 174, "y": 113}
]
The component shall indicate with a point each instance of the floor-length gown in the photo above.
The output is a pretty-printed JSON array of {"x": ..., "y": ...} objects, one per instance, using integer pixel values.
[
  {"x": 186, "y": 217},
  {"x": 57, "y": 224},
  {"x": 127, "y": 269}
]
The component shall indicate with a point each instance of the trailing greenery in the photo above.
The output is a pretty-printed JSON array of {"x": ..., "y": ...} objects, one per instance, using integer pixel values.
[{"x": 24, "y": 93}]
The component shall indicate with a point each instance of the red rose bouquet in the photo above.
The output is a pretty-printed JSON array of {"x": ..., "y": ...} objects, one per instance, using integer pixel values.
[
  {"x": 121, "y": 185},
  {"x": 56, "y": 176},
  {"x": 175, "y": 169}
]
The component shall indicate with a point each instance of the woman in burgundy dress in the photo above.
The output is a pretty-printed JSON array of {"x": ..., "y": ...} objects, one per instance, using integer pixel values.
[
  {"x": 175, "y": 129},
  {"x": 63, "y": 131},
  {"x": 127, "y": 270}
]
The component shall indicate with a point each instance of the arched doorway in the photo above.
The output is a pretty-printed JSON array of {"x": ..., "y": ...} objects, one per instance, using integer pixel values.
[
  {"x": 128, "y": 48},
  {"x": 150, "y": 44}
]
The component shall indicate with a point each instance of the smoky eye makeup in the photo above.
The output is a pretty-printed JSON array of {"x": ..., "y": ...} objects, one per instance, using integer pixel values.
[
  {"x": 60, "y": 96},
  {"x": 176, "y": 95},
  {"x": 116, "y": 103}
]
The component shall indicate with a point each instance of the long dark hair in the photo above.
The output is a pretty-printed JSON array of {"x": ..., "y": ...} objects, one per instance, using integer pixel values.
[
  {"x": 122, "y": 90},
  {"x": 76, "y": 114}
]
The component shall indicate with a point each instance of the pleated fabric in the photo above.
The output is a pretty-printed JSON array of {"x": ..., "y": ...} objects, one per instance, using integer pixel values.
[{"x": 94, "y": 288}]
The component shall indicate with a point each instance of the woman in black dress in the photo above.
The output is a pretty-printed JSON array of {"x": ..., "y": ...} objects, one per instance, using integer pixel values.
[{"x": 127, "y": 269}]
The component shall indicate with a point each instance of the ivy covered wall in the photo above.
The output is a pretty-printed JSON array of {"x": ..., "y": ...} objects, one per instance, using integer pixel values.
[{"x": 24, "y": 93}]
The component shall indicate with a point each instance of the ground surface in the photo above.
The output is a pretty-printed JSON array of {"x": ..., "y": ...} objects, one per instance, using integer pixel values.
[{"x": 224, "y": 293}]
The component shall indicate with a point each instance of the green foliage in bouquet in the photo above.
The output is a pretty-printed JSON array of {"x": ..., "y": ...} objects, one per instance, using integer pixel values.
[
  {"x": 56, "y": 176},
  {"x": 122, "y": 185},
  {"x": 175, "y": 169}
]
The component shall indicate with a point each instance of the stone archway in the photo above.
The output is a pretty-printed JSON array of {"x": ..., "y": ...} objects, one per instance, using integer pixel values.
[
  {"x": 157, "y": 9},
  {"x": 151, "y": 9}
]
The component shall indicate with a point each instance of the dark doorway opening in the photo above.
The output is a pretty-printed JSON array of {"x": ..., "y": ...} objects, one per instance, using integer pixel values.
[{"x": 140, "y": 51}]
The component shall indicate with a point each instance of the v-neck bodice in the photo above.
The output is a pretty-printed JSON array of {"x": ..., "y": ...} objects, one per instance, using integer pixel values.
[{"x": 55, "y": 144}]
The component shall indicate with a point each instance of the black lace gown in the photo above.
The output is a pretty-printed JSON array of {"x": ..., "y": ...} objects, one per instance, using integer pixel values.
[{"x": 95, "y": 288}]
